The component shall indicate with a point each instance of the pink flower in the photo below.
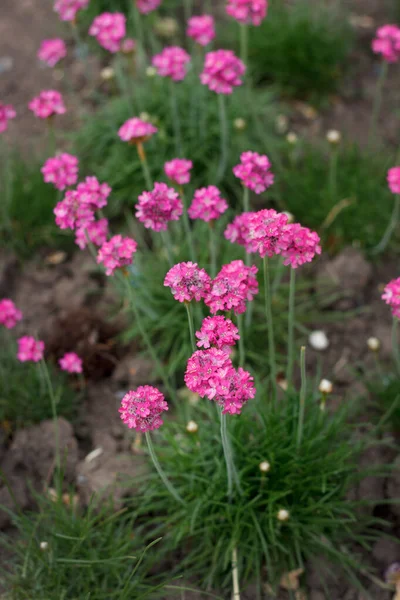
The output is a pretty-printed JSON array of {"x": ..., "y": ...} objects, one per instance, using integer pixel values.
[
  {"x": 158, "y": 207},
  {"x": 109, "y": 29},
  {"x": 67, "y": 9},
  {"x": 254, "y": 172},
  {"x": 30, "y": 349},
  {"x": 128, "y": 46},
  {"x": 135, "y": 130},
  {"x": 142, "y": 409},
  {"x": 222, "y": 71},
  {"x": 93, "y": 193},
  {"x": 393, "y": 178},
  {"x": 265, "y": 231},
  {"x": 201, "y": 29},
  {"x": 237, "y": 232},
  {"x": 97, "y": 231},
  {"x": 178, "y": 170},
  {"x": 387, "y": 43},
  {"x": 391, "y": 296},
  {"x": 9, "y": 313},
  {"x": 47, "y": 104},
  {"x": 146, "y": 6},
  {"x": 116, "y": 253},
  {"x": 219, "y": 332},
  {"x": 187, "y": 282},
  {"x": 207, "y": 204},
  {"x": 61, "y": 171},
  {"x": 248, "y": 12},
  {"x": 234, "y": 390},
  {"x": 233, "y": 286},
  {"x": 298, "y": 245},
  {"x": 7, "y": 113},
  {"x": 171, "y": 62},
  {"x": 71, "y": 363},
  {"x": 52, "y": 51},
  {"x": 72, "y": 213}
]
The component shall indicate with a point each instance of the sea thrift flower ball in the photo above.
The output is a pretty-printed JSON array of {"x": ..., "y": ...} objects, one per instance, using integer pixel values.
[
  {"x": 248, "y": 12},
  {"x": 254, "y": 171},
  {"x": 222, "y": 71},
  {"x": 219, "y": 332},
  {"x": 387, "y": 43},
  {"x": 146, "y": 6},
  {"x": 142, "y": 408},
  {"x": 265, "y": 231},
  {"x": 233, "y": 286},
  {"x": 7, "y": 113},
  {"x": 233, "y": 390},
  {"x": 71, "y": 363},
  {"x": 187, "y": 282},
  {"x": 9, "y": 313},
  {"x": 67, "y": 9},
  {"x": 128, "y": 46},
  {"x": 237, "y": 232},
  {"x": 109, "y": 29},
  {"x": 205, "y": 369},
  {"x": 207, "y": 204},
  {"x": 201, "y": 29},
  {"x": 47, "y": 104},
  {"x": 30, "y": 349},
  {"x": 298, "y": 245},
  {"x": 135, "y": 130},
  {"x": 158, "y": 207},
  {"x": 171, "y": 62},
  {"x": 52, "y": 51},
  {"x": 318, "y": 340},
  {"x": 93, "y": 193},
  {"x": 96, "y": 231},
  {"x": 178, "y": 170},
  {"x": 393, "y": 178},
  {"x": 71, "y": 212},
  {"x": 61, "y": 171},
  {"x": 325, "y": 386},
  {"x": 117, "y": 252},
  {"x": 391, "y": 296}
]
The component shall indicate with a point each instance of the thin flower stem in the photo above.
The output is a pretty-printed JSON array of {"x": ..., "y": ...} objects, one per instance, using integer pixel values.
[
  {"x": 213, "y": 250},
  {"x": 145, "y": 166},
  {"x": 246, "y": 199},
  {"x": 168, "y": 246},
  {"x": 394, "y": 219},
  {"x": 395, "y": 344},
  {"x": 175, "y": 118},
  {"x": 188, "y": 9},
  {"x": 91, "y": 247},
  {"x": 159, "y": 470},
  {"x": 333, "y": 173},
  {"x": 247, "y": 257},
  {"x": 241, "y": 340},
  {"x": 123, "y": 81},
  {"x": 290, "y": 353},
  {"x": 244, "y": 42},
  {"x": 302, "y": 399},
  {"x": 51, "y": 137},
  {"x": 228, "y": 455},
  {"x": 235, "y": 576},
  {"x": 186, "y": 225},
  {"x": 53, "y": 401},
  {"x": 188, "y": 307},
  {"x": 377, "y": 103},
  {"x": 137, "y": 24},
  {"x": 6, "y": 184},
  {"x": 270, "y": 326},
  {"x": 224, "y": 137}
]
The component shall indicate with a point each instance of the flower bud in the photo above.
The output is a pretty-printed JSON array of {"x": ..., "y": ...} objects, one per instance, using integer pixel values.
[
  {"x": 283, "y": 515},
  {"x": 334, "y": 137},
  {"x": 239, "y": 124},
  {"x": 264, "y": 466},
  {"x": 44, "y": 545},
  {"x": 151, "y": 71},
  {"x": 107, "y": 73},
  {"x": 144, "y": 116},
  {"x": 318, "y": 340},
  {"x": 325, "y": 386},
  {"x": 166, "y": 27},
  {"x": 192, "y": 427},
  {"x": 292, "y": 138},
  {"x": 290, "y": 217},
  {"x": 373, "y": 344}
]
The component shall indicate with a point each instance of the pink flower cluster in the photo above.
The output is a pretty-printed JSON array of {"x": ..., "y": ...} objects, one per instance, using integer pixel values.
[
  {"x": 222, "y": 71},
  {"x": 96, "y": 231},
  {"x": 171, "y": 62},
  {"x": 232, "y": 287},
  {"x": 116, "y": 253},
  {"x": 210, "y": 374},
  {"x": 265, "y": 231},
  {"x": 128, "y": 45},
  {"x": 135, "y": 130},
  {"x": 178, "y": 170},
  {"x": 248, "y": 12},
  {"x": 391, "y": 296},
  {"x": 7, "y": 113},
  {"x": 158, "y": 207},
  {"x": 67, "y": 9},
  {"x": 237, "y": 232},
  {"x": 254, "y": 171},
  {"x": 207, "y": 204},
  {"x": 30, "y": 349},
  {"x": 393, "y": 178},
  {"x": 109, "y": 29},
  {"x": 187, "y": 282},
  {"x": 146, "y": 6},
  {"x": 47, "y": 104},
  {"x": 52, "y": 51},
  {"x": 9, "y": 313},
  {"x": 61, "y": 171},
  {"x": 218, "y": 332},
  {"x": 387, "y": 43},
  {"x": 142, "y": 409},
  {"x": 93, "y": 193},
  {"x": 201, "y": 29},
  {"x": 299, "y": 245},
  {"x": 71, "y": 363},
  {"x": 72, "y": 213}
]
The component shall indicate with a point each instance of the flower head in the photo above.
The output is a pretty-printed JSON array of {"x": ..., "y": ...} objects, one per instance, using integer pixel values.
[
  {"x": 158, "y": 207},
  {"x": 7, "y": 112},
  {"x": 265, "y": 231},
  {"x": 393, "y": 178},
  {"x": 207, "y": 204},
  {"x": 109, "y": 29},
  {"x": 187, "y": 282},
  {"x": 116, "y": 253},
  {"x": 147, "y": 6},
  {"x": 30, "y": 349},
  {"x": 201, "y": 29},
  {"x": 298, "y": 244},
  {"x": 96, "y": 231},
  {"x": 254, "y": 171},
  {"x": 71, "y": 363},
  {"x": 248, "y": 12},
  {"x": 93, "y": 193},
  {"x": 233, "y": 286},
  {"x": 52, "y": 51},
  {"x": 67, "y": 9},
  {"x": 237, "y": 232},
  {"x": 47, "y": 104},
  {"x": 171, "y": 62},
  {"x": 178, "y": 170},
  {"x": 387, "y": 43},
  {"x": 135, "y": 130},
  {"x": 71, "y": 212},
  {"x": 142, "y": 408},
  {"x": 218, "y": 332},
  {"x": 391, "y": 296},
  {"x": 222, "y": 71},
  {"x": 9, "y": 313},
  {"x": 128, "y": 46},
  {"x": 61, "y": 171}
]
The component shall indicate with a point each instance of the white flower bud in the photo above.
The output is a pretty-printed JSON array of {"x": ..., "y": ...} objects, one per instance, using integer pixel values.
[
  {"x": 318, "y": 340},
  {"x": 107, "y": 73},
  {"x": 144, "y": 116},
  {"x": 290, "y": 217},
  {"x": 43, "y": 546},
  {"x": 192, "y": 427},
  {"x": 325, "y": 386},
  {"x": 239, "y": 124},
  {"x": 283, "y": 514},
  {"x": 264, "y": 466},
  {"x": 151, "y": 71},
  {"x": 333, "y": 136},
  {"x": 373, "y": 344},
  {"x": 292, "y": 138}
]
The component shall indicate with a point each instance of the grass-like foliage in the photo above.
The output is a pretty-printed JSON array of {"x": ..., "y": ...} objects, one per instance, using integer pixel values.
[{"x": 386, "y": 391}]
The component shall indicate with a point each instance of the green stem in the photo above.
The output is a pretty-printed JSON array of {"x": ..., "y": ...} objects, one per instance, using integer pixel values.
[
  {"x": 91, "y": 247},
  {"x": 123, "y": 81},
  {"x": 168, "y": 246},
  {"x": 292, "y": 288},
  {"x": 377, "y": 103},
  {"x": 137, "y": 24},
  {"x": 244, "y": 42},
  {"x": 188, "y": 307},
  {"x": 159, "y": 470},
  {"x": 333, "y": 174},
  {"x": 246, "y": 199},
  {"x": 145, "y": 166},
  {"x": 6, "y": 185},
  {"x": 241, "y": 339},
  {"x": 227, "y": 455},
  {"x": 188, "y": 9},
  {"x": 175, "y": 118},
  {"x": 270, "y": 326},
  {"x": 55, "y": 423},
  {"x": 394, "y": 219},
  {"x": 302, "y": 399},
  {"x": 235, "y": 576},
  {"x": 51, "y": 137},
  {"x": 224, "y": 137},
  {"x": 187, "y": 227},
  {"x": 395, "y": 344},
  {"x": 213, "y": 249}
]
